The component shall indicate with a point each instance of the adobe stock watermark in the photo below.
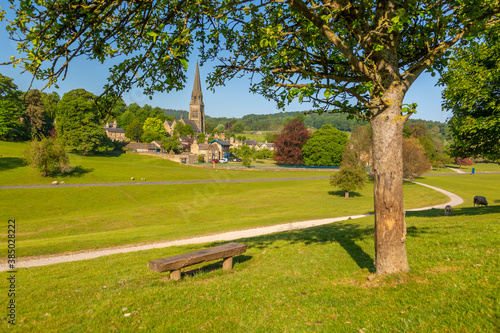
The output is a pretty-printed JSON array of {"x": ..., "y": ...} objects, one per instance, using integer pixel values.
[
  {"x": 200, "y": 197},
  {"x": 11, "y": 262}
]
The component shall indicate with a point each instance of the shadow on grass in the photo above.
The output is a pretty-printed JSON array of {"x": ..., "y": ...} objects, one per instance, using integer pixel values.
[
  {"x": 345, "y": 234},
  {"x": 77, "y": 172},
  {"x": 463, "y": 211},
  {"x": 216, "y": 265},
  {"x": 352, "y": 194},
  {"x": 113, "y": 153},
  {"x": 8, "y": 163}
]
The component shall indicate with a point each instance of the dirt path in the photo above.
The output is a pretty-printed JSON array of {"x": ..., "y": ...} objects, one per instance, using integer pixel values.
[{"x": 226, "y": 236}]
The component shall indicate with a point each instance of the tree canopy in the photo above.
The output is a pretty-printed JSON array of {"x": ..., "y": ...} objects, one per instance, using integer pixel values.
[
  {"x": 472, "y": 93},
  {"x": 359, "y": 57},
  {"x": 11, "y": 108},
  {"x": 325, "y": 147},
  {"x": 78, "y": 123},
  {"x": 351, "y": 175},
  {"x": 47, "y": 155},
  {"x": 288, "y": 145}
]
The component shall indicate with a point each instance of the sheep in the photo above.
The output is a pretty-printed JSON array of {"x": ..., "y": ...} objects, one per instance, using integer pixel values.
[
  {"x": 480, "y": 200},
  {"x": 143, "y": 179},
  {"x": 62, "y": 183},
  {"x": 448, "y": 210},
  {"x": 55, "y": 182},
  {"x": 132, "y": 178}
]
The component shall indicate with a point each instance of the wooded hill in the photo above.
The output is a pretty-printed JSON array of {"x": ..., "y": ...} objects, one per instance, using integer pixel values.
[{"x": 275, "y": 122}]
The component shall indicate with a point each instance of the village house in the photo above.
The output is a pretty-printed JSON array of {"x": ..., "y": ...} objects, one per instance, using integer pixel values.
[
  {"x": 115, "y": 133},
  {"x": 153, "y": 147}
]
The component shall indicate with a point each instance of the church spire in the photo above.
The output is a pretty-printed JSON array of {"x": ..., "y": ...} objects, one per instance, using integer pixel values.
[
  {"x": 197, "y": 95},
  {"x": 196, "y": 107}
]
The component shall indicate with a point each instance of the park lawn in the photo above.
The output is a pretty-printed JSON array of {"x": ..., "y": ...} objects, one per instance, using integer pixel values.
[
  {"x": 298, "y": 281},
  {"x": 62, "y": 219},
  {"x": 468, "y": 186},
  {"x": 478, "y": 167},
  {"x": 117, "y": 168}
]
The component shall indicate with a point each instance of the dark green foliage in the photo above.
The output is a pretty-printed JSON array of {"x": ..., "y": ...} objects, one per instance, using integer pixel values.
[
  {"x": 47, "y": 155},
  {"x": 134, "y": 131},
  {"x": 183, "y": 129},
  {"x": 238, "y": 127},
  {"x": 201, "y": 137},
  {"x": 150, "y": 136},
  {"x": 78, "y": 123},
  {"x": 171, "y": 144},
  {"x": 34, "y": 116},
  {"x": 11, "y": 109},
  {"x": 351, "y": 175},
  {"x": 472, "y": 93},
  {"x": 325, "y": 147}
]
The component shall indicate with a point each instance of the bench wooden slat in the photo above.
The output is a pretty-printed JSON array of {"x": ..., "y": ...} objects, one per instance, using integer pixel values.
[{"x": 183, "y": 260}]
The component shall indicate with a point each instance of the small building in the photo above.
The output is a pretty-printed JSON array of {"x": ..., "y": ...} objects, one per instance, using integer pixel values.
[
  {"x": 186, "y": 142},
  {"x": 267, "y": 145},
  {"x": 115, "y": 133},
  {"x": 251, "y": 143},
  {"x": 218, "y": 149},
  {"x": 142, "y": 147},
  {"x": 199, "y": 148}
]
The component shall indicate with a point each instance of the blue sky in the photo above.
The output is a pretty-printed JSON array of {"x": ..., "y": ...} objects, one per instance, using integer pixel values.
[{"x": 231, "y": 100}]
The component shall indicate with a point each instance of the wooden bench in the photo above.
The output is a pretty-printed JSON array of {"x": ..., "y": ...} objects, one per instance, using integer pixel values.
[{"x": 175, "y": 263}]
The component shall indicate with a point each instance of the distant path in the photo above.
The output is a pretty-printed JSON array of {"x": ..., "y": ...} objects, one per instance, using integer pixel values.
[
  {"x": 9, "y": 187},
  {"x": 162, "y": 183},
  {"x": 457, "y": 170},
  {"x": 225, "y": 236}
]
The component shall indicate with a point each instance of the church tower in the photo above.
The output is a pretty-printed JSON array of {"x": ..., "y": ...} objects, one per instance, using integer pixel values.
[{"x": 196, "y": 107}]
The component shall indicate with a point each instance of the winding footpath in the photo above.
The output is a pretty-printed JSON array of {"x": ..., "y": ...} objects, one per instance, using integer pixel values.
[{"x": 226, "y": 236}]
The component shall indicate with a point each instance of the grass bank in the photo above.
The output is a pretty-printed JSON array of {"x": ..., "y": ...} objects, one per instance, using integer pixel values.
[
  {"x": 117, "y": 168},
  {"x": 300, "y": 281}
]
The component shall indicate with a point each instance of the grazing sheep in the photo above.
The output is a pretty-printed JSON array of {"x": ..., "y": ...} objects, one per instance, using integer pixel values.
[
  {"x": 55, "y": 182},
  {"x": 62, "y": 183},
  {"x": 448, "y": 210},
  {"x": 132, "y": 178},
  {"x": 480, "y": 200},
  {"x": 143, "y": 179}
]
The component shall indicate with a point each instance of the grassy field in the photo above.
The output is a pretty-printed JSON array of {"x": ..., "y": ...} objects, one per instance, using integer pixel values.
[
  {"x": 73, "y": 219},
  {"x": 113, "y": 168},
  {"x": 300, "y": 281},
  {"x": 319, "y": 279}
]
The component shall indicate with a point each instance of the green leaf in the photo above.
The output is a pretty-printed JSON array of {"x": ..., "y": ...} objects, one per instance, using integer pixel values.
[{"x": 184, "y": 63}]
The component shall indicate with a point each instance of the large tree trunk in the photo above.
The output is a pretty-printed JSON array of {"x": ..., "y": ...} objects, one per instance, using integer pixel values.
[{"x": 390, "y": 227}]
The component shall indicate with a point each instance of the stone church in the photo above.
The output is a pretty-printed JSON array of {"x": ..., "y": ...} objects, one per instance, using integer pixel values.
[{"x": 196, "y": 109}]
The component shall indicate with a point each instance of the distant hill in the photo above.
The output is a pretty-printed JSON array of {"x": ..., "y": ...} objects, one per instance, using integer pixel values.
[
  {"x": 274, "y": 122},
  {"x": 176, "y": 113}
]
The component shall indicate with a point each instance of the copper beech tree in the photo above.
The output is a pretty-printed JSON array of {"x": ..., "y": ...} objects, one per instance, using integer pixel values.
[{"x": 359, "y": 57}]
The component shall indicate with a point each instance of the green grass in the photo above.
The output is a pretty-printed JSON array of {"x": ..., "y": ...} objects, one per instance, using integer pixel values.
[
  {"x": 73, "y": 219},
  {"x": 468, "y": 186},
  {"x": 300, "y": 281},
  {"x": 114, "y": 168},
  {"x": 479, "y": 167}
]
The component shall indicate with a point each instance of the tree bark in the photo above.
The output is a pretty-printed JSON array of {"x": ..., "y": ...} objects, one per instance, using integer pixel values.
[{"x": 390, "y": 226}]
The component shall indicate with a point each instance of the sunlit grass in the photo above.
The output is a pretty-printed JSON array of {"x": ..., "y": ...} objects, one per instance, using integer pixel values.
[{"x": 56, "y": 220}]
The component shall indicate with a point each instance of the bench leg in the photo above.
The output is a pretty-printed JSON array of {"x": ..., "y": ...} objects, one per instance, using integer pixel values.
[
  {"x": 175, "y": 275},
  {"x": 227, "y": 264}
]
